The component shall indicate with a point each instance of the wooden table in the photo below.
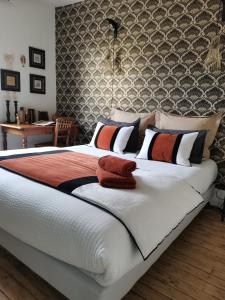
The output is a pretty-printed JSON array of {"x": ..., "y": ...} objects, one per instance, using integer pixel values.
[{"x": 24, "y": 131}]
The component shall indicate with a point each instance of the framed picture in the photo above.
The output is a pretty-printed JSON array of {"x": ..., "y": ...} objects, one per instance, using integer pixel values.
[
  {"x": 37, "y": 58},
  {"x": 10, "y": 80},
  {"x": 37, "y": 84}
]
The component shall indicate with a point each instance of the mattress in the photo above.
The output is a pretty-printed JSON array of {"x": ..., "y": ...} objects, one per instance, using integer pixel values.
[{"x": 102, "y": 248}]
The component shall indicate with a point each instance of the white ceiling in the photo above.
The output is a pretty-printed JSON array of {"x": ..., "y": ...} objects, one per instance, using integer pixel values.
[{"x": 57, "y": 3}]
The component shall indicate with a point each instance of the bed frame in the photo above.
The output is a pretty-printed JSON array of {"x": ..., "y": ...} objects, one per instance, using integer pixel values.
[{"x": 75, "y": 284}]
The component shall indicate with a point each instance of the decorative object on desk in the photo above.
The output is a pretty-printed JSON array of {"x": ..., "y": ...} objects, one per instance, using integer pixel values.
[
  {"x": 43, "y": 116},
  {"x": 37, "y": 58},
  {"x": 9, "y": 60},
  {"x": 10, "y": 80},
  {"x": 7, "y": 111},
  {"x": 17, "y": 119},
  {"x": 16, "y": 109},
  {"x": 26, "y": 115},
  {"x": 30, "y": 115},
  {"x": 37, "y": 84},
  {"x": 22, "y": 115},
  {"x": 23, "y": 60}
]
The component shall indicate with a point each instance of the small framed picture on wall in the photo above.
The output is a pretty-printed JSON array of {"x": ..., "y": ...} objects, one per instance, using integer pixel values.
[
  {"x": 37, "y": 58},
  {"x": 37, "y": 84},
  {"x": 10, "y": 80}
]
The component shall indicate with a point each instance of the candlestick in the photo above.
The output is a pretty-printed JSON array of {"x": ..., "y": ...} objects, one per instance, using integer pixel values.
[
  {"x": 16, "y": 109},
  {"x": 8, "y": 111}
]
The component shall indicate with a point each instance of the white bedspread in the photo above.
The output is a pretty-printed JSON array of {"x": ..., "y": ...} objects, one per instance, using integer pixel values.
[
  {"x": 85, "y": 236},
  {"x": 150, "y": 211}
]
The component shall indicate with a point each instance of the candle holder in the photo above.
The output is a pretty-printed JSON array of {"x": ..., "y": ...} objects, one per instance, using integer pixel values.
[
  {"x": 16, "y": 109},
  {"x": 8, "y": 111}
]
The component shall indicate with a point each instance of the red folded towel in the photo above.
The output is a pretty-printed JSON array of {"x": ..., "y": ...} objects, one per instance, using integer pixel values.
[
  {"x": 119, "y": 166},
  {"x": 111, "y": 180}
]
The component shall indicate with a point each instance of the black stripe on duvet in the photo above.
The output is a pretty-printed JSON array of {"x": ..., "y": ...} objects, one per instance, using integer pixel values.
[
  {"x": 31, "y": 154},
  {"x": 69, "y": 186}
]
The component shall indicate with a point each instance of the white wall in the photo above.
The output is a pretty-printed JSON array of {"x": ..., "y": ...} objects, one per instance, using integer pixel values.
[{"x": 25, "y": 23}]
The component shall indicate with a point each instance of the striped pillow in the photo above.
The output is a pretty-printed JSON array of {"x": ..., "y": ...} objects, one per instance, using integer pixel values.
[
  {"x": 111, "y": 137},
  {"x": 171, "y": 148}
]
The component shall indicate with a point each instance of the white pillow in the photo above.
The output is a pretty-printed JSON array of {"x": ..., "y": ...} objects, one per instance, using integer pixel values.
[
  {"x": 171, "y": 148},
  {"x": 111, "y": 137}
]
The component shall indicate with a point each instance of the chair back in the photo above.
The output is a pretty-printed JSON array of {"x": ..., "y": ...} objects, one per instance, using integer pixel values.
[{"x": 63, "y": 130}]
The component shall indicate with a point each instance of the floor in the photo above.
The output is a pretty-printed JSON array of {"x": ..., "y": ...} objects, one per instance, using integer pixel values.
[{"x": 192, "y": 268}]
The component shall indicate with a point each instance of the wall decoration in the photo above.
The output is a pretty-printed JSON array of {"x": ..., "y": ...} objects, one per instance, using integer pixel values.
[
  {"x": 10, "y": 80},
  {"x": 164, "y": 45},
  {"x": 9, "y": 60},
  {"x": 213, "y": 61},
  {"x": 112, "y": 59},
  {"x": 23, "y": 60},
  {"x": 37, "y": 58},
  {"x": 37, "y": 84}
]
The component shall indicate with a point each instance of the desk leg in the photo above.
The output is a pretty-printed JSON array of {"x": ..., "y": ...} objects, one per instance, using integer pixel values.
[
  {"x": 24, "y": 142},
  {"x": 4, "y": 135}
]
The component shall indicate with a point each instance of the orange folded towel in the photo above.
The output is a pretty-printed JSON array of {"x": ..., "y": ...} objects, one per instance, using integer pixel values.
[
  {"x": 111, "y": 180},
  {"x": 119, "y": 166}
]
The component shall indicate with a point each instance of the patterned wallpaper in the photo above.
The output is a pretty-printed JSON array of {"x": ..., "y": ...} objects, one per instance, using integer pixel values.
[{"x": 162, "y": 43}]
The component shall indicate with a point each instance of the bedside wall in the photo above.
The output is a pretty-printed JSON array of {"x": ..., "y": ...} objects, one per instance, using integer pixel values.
[
  {"x": 163, "y": 45},
  {"x": 25, "y": 23}
]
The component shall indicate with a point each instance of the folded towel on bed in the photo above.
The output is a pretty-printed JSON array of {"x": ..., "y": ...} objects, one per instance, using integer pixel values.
[
  {"x": 119, "y": 166},
  {"x": 112, "y": 180}
]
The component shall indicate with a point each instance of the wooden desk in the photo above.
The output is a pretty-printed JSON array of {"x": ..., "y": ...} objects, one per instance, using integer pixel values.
[{"x": 24, "y": 130}]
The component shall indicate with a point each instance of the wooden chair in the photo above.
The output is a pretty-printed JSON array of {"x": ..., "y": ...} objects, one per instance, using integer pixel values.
[
  {"x": 63, "y": 130},
  {"x": 64, "y": 133}
]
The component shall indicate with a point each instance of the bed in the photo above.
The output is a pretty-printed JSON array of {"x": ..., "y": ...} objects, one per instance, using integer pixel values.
[{"x": 100, "y": 261}]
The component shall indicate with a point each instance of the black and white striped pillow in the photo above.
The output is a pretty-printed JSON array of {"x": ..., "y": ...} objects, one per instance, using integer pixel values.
[
  {"x": 171, "y": 148},
  {"x": 111, "y": 137}
]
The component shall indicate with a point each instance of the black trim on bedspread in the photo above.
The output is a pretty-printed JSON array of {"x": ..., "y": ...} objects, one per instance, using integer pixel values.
[
  {"x": 69, "y": 186},
  {"x": 13, "y": 156},
  {"x": 128, "y": 230}
]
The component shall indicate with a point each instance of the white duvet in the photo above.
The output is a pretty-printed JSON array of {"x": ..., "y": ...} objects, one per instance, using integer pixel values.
[{"x": 89, "y": 238}]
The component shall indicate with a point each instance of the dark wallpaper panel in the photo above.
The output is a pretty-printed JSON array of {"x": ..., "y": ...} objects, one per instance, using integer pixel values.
[{"x": 162, "y": 43}]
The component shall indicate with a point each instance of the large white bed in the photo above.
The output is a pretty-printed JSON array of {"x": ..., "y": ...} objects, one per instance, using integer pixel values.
[{"x": 83, "y": 251}]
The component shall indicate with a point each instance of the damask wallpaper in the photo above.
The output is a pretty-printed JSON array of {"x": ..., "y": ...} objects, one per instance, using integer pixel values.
[{"x": 162, "y": 45}]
